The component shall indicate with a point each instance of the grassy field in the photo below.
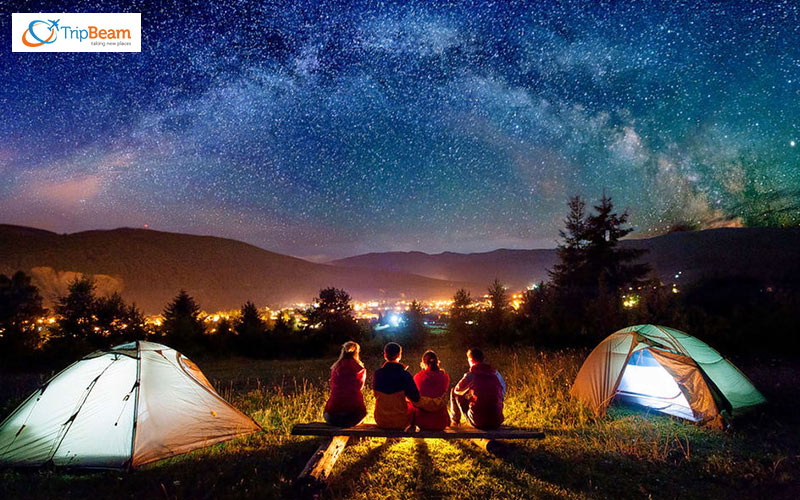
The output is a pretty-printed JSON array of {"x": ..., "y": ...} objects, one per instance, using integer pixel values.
[{"x": 628, "y": 454}]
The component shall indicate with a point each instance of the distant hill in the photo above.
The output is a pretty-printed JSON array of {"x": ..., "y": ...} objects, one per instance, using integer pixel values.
[
  {"x": 149, "y": 267},
  {"x": 761, "y": 253}
]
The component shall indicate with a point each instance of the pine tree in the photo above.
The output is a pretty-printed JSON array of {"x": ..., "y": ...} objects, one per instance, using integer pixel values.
[
  {"x": 182, "y": 325},
  {"x": 111, "y": 315},
  {"x": 611, "y": 267},
  {"x": 333, "y": 315},
  {"x": 252, "y": 331},
  {"x": 136, "y": 329},
  {"x": 415, "y": 332},
  {"x": 461, "y": 322},
  {"x": 570, "y": 272},
  {"x": 20, "y": 306},
  {"x": 283, "y": 325},
  {"x": 76, "y": 309},
  {"x": 495, "y": 326}
]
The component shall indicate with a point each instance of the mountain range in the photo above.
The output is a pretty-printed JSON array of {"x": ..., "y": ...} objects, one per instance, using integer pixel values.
[
  {"x": 149, "y": 267},
  {"x": 765, "y": 254}
]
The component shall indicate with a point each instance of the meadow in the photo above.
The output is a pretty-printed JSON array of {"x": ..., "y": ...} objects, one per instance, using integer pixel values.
[{"x": 628, "y": 454}]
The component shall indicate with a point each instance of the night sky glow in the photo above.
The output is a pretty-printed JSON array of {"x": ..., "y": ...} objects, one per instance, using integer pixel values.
[{"x": 333, "y": 128}]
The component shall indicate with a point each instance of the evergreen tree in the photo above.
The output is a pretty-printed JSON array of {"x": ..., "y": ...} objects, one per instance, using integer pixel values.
[
  {"x": 591, "y": 261},
  {"x": 495, "y": 325},
  {"x": 76, "y": 309},
  {"x": 182, "y": 325},
  {"x": 136, "y": 327},
  {"x": 252, "y": 331},
  {"x": 611, "y": 266},
  {"x": 570, "y": 272},
  {"x": 112, "y": 316},
  {"x": 284, "y": 325},
  {"x": 534, "y": 318},
  {"x": 332, "y": 313},
  {"x": 462, "y": 318},
  {"x": 20, "y": 307},
  {"x": 414, "y": 331},
  {"x": 223, "y": 339},
  {"x": 592, "y": 270}
]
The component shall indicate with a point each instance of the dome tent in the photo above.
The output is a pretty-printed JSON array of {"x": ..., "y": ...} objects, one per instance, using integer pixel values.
[
  {"x": 666, "y": 370},
  {"x": 130, "y": 405}
]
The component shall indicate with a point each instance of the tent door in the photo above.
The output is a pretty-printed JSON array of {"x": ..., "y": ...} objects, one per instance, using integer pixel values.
[{"x": 645, "y": 382}]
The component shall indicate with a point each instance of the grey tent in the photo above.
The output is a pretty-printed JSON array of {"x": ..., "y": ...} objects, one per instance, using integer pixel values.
[{"x": 130, "y": 405}]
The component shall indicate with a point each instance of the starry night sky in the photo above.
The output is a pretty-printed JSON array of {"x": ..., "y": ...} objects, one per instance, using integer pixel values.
[{"x": 333, "y": 128}]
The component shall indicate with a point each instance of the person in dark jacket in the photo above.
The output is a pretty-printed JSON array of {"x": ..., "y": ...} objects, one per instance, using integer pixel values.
[
  {"x": 479, "y": 394},
  {"x": 433, "y": 382},
  {"x": 345, "y": 406},
  {"x": 394, "y": 388}
]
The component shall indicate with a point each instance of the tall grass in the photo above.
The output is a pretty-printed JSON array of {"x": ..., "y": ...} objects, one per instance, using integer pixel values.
[{"x": 629, "y": 453}]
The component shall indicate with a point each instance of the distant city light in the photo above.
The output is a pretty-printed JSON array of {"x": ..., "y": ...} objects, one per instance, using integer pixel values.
[{"x": 630, "y": 301}]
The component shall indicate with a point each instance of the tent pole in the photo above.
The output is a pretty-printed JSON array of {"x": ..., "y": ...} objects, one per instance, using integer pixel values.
[
  {"x": 66, "y": 426},
  {"x": 136, "y": 402}
]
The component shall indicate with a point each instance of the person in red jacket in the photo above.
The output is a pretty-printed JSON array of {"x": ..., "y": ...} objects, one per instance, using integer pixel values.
[
  {"x": 430, "y": 413},
  {"x": 345, "y": 406},
  {"x": 479, "y": 394}
]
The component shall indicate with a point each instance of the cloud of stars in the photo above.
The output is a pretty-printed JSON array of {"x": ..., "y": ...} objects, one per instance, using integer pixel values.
[{"x": 333, "y": 128}]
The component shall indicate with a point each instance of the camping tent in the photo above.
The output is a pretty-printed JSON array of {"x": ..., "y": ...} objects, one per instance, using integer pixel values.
[
  {"x": 666, "y": 370},
  {"x": 124, "y": 407}
]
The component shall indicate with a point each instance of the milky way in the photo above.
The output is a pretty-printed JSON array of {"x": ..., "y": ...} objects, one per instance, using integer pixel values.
[{"x": 334, "y": 128}]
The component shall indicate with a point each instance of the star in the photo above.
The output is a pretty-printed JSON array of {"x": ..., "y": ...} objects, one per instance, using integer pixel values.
[{"x": 339, "y": 128}]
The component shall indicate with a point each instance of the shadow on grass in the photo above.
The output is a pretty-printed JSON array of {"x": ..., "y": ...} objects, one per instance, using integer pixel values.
[
  {"x": 571, "y": 471},
  {"x": 429, "y": 479},
  {"x": 513, "y": 470},
  {"x": 342, "y": 480},
  {"x": 243, "y": 469}
]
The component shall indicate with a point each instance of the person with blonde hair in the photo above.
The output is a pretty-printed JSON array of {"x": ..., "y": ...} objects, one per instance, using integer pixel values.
[
  {"x": 345, "y": 406},
  {"x": 430, "y": 413}
]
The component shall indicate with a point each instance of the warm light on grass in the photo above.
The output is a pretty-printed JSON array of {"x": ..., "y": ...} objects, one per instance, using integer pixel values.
[{"x": 629, "y": 453}]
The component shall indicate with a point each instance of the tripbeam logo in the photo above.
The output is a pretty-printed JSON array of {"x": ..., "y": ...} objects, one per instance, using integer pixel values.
[
  {"x": 31, "y": 33},
  {"x": 76, "y": 32}
]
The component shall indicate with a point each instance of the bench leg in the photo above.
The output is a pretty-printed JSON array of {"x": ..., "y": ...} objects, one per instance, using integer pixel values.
[
  {"x": 493, "y": 447},
  {"x": 319, "y": 467}
]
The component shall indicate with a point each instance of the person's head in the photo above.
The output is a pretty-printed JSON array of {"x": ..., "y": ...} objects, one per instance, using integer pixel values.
[
  {"x": 474, "y": 356},
  {"x": 350, "y": 350},
  {"x": 430, "y": 361},
  {"x": 392, "y": 351}
]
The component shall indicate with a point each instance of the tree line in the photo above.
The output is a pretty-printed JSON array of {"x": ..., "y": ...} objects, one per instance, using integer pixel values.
[
  {"x": 82, "y": 321},
  {"x": 596, "y": 287}
]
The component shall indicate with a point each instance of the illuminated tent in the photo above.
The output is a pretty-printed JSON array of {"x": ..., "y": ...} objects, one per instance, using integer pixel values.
[
  {"x": 666, "y": 370},
  {"x": 124, "y": 407}
]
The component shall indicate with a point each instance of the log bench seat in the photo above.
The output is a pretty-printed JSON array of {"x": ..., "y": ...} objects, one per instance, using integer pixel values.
[
  {"x": 371, "y": 430},
  {"x": 319, "y": 467}
]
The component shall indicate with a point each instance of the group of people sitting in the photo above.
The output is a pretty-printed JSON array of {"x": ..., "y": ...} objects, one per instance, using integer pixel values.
[{"x": 405, "y": 402}]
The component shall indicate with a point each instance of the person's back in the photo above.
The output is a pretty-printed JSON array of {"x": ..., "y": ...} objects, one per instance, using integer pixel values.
[
  {"x": 486, "y": 407},
  {"x": 479, "y": 394},
  {"x": 433, "y": 383},
  {"x": 345, "y": 406},
  {"x": 392, "y": 384}
]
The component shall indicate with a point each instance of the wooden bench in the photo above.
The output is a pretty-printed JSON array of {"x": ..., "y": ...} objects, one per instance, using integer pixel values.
[{"x": 319, "y": 467}]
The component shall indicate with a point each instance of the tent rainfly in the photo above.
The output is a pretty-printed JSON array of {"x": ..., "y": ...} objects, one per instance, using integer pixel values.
[
  {"x": 666, "y": 370},
  {"x": 130, "y": 405}
]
